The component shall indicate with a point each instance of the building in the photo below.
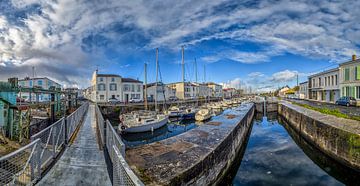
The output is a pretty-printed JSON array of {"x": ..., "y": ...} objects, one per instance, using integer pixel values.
[
  {"x": 324, "y": 86},
  {"x": 229, "y": 92},
  {"x": 41, "y": 83},
  {"x": 163, "y": 92},
  {"x": 303, "y": 90},
  {"x": 203, "y": 90},
  {"x": 283, "y": 91},
  {"x": 111, "y": 86},
  {"x": 350, "y": 78},
  {"x": 184, "y": 90},
  {"x": 132, "y": 89},
  {"x": 216, "y": 89}
]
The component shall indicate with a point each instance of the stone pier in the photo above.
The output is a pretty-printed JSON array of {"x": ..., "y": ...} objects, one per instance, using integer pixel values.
[
  {"x": 198, "y": 157},
  {"x": 339, "y": 138}
]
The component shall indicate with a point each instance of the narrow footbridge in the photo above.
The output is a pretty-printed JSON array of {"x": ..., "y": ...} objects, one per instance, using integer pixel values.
[{"x": 80, "y": 149}]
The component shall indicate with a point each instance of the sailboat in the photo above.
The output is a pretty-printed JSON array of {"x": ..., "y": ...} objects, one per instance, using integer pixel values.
[
  {"x": 143, "y": 121},
  {"x": 203, "y": 114}
]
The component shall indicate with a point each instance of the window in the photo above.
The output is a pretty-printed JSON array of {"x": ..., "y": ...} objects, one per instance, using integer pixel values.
[
  {"x": 329, "y": 81},
  {"x": 112, "y": 79},
  {"x": 332, "y": 80},
  {"x": 102, "y": 97},
  {"x": 101, "y": 87},
  {"x": 132, "y": 88},
  {"x": 313, "y": 84},
  {"x": 113, "y": 87},
  {"x": 347, "y": 74},
  {"x": 336, "y": 80},
  {"x": 325, "y": 81},
  {"x": 357, "y": 72},
  {"x": 101, "y": 79},
  {"x": 126, "y": 87},
  {"x": 139, "y": 88},
  {"x": 30, "y": 83},
  {"x": 319, "y": 82},
  {"x": 357, "y": 92}
]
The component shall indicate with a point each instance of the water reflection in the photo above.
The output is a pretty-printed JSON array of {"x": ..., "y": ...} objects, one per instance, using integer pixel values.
[
  {"x": 272, "y": 157},
  {"x": 171, "y": 129}
]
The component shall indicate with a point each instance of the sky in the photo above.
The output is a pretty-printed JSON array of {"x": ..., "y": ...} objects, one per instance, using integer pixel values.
[{"x": 260, "y": 44}]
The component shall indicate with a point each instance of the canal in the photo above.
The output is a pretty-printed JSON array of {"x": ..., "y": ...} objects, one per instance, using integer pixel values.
[{"x": 277, "y": 155}]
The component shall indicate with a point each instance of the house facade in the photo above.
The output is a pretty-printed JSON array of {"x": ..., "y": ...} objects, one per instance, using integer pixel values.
[
  {"x": 303, "y": 90},
  {"x": 163, "y": 92},
  {"x": 216, "y": 90},
  {"x": 112, "y": 86},
  {"x": 350, "y": 78},
  {"x": 184, "y": 90},
  {"x": 41, "y": 83},
  {"x": 324, "y": 86}
]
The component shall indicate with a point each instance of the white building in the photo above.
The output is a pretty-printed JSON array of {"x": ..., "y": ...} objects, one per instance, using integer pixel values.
[
  {"x": 106, "y": 86},
  {"x": 350, "y": 78},
  {"x": 204, "y": 91},
  {"x": 132, "y": 89},
  {"x": 186, "y": 90},
  {"x": 41, "y": 83},
  {"x": 229, "y": 92},
  {"x": 163, "y": 92},
  {"x": 303, "y": 90},
  {"x": 324, "y": 86},
  {"x": 216, "y": 89}
]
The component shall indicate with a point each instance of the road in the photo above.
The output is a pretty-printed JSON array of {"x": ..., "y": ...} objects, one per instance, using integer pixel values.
[{"x": 351, "y": 111}]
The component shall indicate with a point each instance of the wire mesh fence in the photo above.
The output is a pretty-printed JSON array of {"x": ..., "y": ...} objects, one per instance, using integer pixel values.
[
  {"x": 25, "y": 165},
  {"x": 20, "y": 167},
  {"x": 100, "y": 123},
  {"x": 52, "y": 140},
  {"x": 122, "y": 174},
  {"x": 73, "y": 120}
]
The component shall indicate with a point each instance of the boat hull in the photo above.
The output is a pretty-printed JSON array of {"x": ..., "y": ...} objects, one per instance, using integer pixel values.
[{"x": 147, "y": 127}]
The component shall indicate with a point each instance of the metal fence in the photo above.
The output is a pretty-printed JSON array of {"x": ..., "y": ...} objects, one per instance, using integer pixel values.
[
  {"x": 25, "y": 165},
  {"x": 122, "y": 173},
  {"x": 100, "y": 123},
  {"x": 18, "y": 167},
  {"x": 73, "y": 120}
]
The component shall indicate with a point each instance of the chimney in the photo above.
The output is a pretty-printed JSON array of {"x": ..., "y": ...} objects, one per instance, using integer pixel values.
[{"x": 354, "y": 57}]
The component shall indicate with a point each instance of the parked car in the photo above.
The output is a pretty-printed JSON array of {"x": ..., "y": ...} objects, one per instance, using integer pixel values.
[
  {"x": 173, "y": 98},
  {"x": 113, "y": 100},
  {"x": 346, "y": 101},
  {"x": 135, "y": 100}
]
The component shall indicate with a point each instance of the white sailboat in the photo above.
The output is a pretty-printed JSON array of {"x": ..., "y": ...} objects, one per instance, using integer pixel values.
[
  {"x": 203, "y": 114},
  {"x": 143, "y": 121}
]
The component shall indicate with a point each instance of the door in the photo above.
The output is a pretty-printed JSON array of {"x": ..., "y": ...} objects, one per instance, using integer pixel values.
[{"x": 126, "y": 98}]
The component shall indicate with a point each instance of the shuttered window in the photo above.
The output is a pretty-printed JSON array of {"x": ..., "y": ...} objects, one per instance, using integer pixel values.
[
  {"x": 357, "y": 72},
  {"x": 347, "y": 74}
]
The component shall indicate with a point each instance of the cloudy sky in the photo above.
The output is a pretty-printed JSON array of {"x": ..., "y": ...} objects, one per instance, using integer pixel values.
[{"x": 262, "y": 44}]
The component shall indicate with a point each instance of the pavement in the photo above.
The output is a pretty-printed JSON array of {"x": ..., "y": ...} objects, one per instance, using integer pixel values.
[
  {"x": 352, "y": 111},
  {"x": 82, "y": 163}
]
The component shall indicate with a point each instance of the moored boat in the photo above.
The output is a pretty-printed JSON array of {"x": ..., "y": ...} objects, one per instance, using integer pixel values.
[
  {"x": 203, "y": 114},
  {"x": 138, "y": 123}
]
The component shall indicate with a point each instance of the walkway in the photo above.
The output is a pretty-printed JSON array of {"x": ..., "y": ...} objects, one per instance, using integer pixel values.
[{"x": 82, "y": 163}]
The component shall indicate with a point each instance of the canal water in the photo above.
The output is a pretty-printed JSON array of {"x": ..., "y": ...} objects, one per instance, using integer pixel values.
[
  {"x": 277, "y": 155},
  {"x": 171, "y": 129}
]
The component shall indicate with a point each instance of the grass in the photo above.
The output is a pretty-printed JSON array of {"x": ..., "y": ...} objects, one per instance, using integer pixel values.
[{"x": 334, "y": 112}]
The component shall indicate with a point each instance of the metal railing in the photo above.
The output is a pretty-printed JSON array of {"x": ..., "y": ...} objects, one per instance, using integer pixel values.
[
  {"x": 25, "y": 165},
  {"x": 122, "y": 173},
  {"x": 19, "y": 167},
  {"x": 73, "y": 120},
  {"x": 100, "y": 123}
]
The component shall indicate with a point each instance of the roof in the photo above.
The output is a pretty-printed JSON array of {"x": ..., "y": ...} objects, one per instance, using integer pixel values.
[
  {"x": 37, "y": 78},
  {"x": 303, "y": 83},
  {"x": 350, "y": 62},
  {"x": 212, "y": 83},
  {"x": 130, "y": 80},
  {"x": 153, "y": 84},
  {"x": 107, "y": 75},
  {"x": 324, "y": 72}
]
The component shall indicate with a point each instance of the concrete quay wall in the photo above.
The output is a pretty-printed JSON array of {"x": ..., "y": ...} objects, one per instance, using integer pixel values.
[
  {"x": 337, "y": 137},
  {"x": 198, "y": 157}
]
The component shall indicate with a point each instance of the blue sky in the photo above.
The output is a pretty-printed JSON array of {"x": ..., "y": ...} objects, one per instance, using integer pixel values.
[{"x": 262, "y": 44}]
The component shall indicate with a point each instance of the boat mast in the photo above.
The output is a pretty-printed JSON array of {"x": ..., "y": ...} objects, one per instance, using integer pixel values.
[
  {"x": 156, "y": 83},
  {"x": 196, "y": 81},
  {"x": 145, "y": 79},
  {"x": 183, "y": 69}
]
